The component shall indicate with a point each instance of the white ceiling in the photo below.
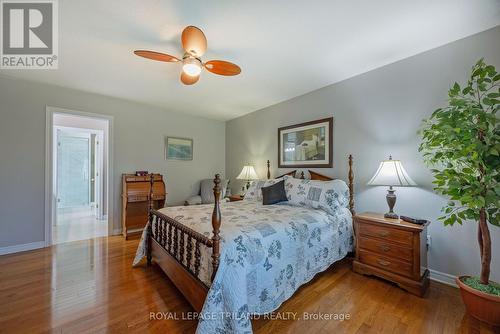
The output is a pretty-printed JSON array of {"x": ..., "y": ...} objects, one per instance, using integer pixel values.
[{"x": 285, "y": 47}]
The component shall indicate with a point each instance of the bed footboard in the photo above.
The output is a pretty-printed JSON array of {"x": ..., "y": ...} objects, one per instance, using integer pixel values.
[
  {"x": 178, "y": 240},
  {"x": 176, "y": 249}
]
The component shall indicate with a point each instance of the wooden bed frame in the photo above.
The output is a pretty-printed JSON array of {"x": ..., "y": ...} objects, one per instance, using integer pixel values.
[{"x": 172, "y": 240}]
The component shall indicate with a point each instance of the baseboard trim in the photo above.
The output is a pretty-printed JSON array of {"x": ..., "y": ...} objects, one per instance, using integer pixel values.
[
  {"x": 117, "y": 231},
  {"x": 443, "y": 278},
  {"x": 21, "y": 248}
]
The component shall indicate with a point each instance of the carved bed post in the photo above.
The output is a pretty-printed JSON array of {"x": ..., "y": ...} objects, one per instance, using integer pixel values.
[
  {"x": 268, "y": 169},
  {"x": 216, "y": 220},
  {"x": 351, "y": 186},
  {"x": 149, "y": 231}
]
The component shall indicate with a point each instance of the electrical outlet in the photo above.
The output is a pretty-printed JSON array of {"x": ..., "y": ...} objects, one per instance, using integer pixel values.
[{"x": 428, "y": 241}]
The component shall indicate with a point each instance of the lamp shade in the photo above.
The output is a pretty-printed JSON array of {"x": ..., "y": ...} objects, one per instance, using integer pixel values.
[
  {"x": 247, "y": 173},
  {"x": 391, "y": 173}
]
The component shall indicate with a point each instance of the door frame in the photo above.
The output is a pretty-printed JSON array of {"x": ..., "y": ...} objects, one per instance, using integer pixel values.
[{"x": 50, "y": 200}]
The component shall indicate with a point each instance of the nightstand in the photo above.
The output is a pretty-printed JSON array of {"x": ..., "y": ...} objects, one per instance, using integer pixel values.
[
  {"x": 235, "y": 198},
  {"x": 392, "y": 249}
]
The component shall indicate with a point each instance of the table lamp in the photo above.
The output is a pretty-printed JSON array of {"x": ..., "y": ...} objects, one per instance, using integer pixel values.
[
  {"x": 247, "y": 174},
  {"x": 392, "y": 174}
]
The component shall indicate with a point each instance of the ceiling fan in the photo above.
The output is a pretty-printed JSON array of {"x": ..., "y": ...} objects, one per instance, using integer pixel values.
[{"x": 194, "y": 43}]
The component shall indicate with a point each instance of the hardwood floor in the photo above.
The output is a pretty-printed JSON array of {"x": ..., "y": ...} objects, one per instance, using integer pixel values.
[{"x": 90, "y": 287}]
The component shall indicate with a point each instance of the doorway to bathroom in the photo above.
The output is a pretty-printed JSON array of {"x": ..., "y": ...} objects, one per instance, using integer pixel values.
[{"x": 79, "y": 173}]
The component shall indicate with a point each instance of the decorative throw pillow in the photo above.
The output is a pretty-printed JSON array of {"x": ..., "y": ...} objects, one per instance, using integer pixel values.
[
  {"x": 274, "y": 194},
  {"x": 254, "y": 192},
  {"x": 326, "y": 195},
  {"x": 207, "y": 190}
]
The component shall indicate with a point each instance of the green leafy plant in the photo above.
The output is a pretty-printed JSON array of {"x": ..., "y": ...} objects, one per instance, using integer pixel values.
[{"x": 461, "y": 142}]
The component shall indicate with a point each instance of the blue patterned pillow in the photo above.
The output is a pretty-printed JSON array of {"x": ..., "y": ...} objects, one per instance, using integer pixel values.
[
  {"x": 326, "y": 195},
  {"x": 254, "y": 192}
]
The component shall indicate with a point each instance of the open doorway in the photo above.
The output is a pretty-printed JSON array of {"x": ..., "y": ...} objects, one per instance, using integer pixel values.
[{"x": 79, "y": 173}]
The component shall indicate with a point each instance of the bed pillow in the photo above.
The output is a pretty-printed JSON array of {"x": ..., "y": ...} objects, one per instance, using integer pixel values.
[
  {"x": 274, "y": 194},
  {"x": 326, "y": 195},
  {"x": 254, "y": 192},
  {"x": 207, "y": 190}
]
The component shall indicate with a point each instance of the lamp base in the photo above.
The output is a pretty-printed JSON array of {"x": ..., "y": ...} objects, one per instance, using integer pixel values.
[
  {"x": 245, "y": 187},
  {"x": 391, "y": 201}
]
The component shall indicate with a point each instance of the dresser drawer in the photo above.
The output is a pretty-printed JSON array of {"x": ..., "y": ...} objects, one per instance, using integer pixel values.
[
  {"x": 137, "y": 198},
  {"x": 388, "y": 233},
  {"x": 386, "y": 248},
  {"x": 379, "y": 261}
]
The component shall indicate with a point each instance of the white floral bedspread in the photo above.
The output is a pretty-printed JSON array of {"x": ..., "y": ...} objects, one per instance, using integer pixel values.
[{"x": 267, "y": 253}]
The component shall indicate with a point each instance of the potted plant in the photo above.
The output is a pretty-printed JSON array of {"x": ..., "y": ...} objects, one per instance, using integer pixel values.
[{"x": 461, "y": 142}]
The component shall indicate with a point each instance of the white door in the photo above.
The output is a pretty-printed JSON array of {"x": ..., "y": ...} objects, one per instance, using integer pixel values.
[{"x": 73, "y": 170}]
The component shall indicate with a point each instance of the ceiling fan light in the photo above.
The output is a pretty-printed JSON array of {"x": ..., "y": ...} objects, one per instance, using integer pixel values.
[
  {"x": 191, "y": 69},
  {"x": 191, "y": 66}
]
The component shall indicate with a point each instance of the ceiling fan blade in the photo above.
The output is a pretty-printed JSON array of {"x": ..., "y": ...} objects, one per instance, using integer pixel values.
[
  {"x": 156, "y": 56},
  {"x": 194, "y": 41},
  {"x": 189, "y": 80},
  {"x": 222, "y": 67}
]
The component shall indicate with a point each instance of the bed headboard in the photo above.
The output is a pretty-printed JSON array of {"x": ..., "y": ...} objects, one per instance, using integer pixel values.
[
  {"x": 292, "y": 173},
  {"x": 321, "y": 177},
  {"x": 318, "y": 176}
]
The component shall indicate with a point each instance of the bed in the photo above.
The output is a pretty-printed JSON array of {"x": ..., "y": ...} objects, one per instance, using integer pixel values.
[{"x": 256, "y": 261}]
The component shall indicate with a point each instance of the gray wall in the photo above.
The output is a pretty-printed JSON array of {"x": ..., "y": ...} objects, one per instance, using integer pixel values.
[
  {"x": 377, "y": 114},
  {"x": 138, "y": 145}
]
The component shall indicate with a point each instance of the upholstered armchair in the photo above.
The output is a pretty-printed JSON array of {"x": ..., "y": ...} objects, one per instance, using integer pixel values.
[{"x": 206, "y": 193}]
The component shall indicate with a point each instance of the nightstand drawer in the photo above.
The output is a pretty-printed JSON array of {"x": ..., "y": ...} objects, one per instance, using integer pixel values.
[
  {"x": 395, "y": 266},
  {"x": 388, "y": 233},
  {"x": 385, "y": 248}
]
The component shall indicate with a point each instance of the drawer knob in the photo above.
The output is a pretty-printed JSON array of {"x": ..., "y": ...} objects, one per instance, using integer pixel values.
[
  {"x": 384, "y": 248},
  {"x": 383, "y": 263},
  {"x": 383, "y": 233}
]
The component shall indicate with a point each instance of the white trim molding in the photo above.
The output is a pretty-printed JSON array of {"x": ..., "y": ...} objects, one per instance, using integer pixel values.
[
  {"x": 443, "y": 278},
  {"x": 22, "y": 247}
]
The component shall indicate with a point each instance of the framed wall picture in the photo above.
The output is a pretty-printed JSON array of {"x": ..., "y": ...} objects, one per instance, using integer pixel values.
[
  {"x": 307, "y": 144},
  {"x": 178, "y": 148}
]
